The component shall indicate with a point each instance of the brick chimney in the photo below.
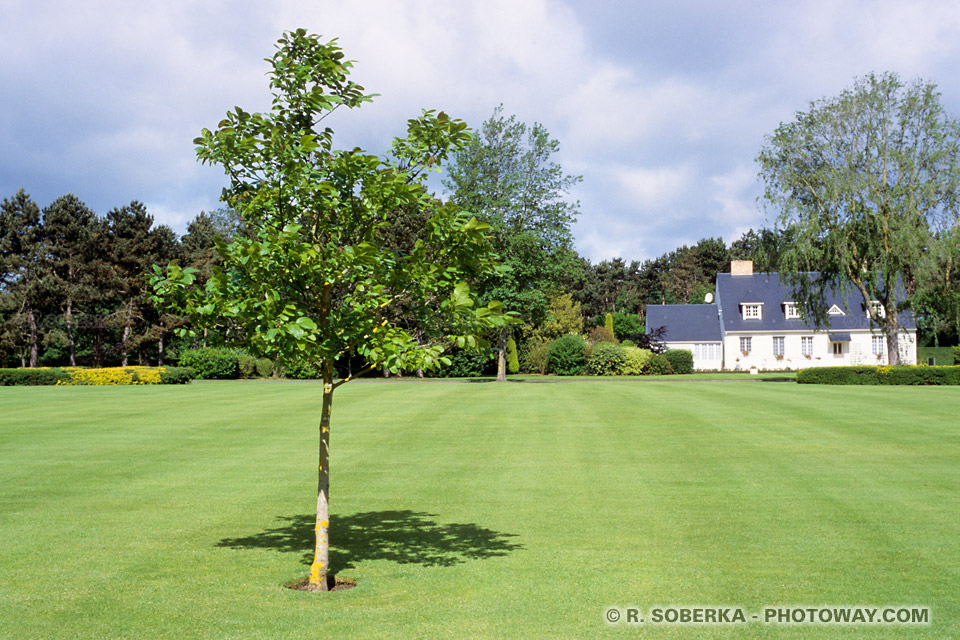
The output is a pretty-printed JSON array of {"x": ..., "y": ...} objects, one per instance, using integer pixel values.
[{"x": 741, "y": 267}]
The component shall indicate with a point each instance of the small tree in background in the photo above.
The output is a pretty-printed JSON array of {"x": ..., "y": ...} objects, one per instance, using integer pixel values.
[{"x": 311, "y": 279}]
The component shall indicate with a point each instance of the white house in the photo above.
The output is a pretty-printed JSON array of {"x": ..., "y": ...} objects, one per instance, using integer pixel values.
[{"x": 755, "y": 323}]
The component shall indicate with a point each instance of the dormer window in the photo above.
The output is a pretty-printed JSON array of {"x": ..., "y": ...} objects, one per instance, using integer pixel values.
[
  {"x": 790, "y": 311},
  {"x": 878, "y": 309},
  {"x": 836, "y": 311},
  {"x": 751, "y": 310}
]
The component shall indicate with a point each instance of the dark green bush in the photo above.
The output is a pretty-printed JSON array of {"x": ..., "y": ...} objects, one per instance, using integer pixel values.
[
  {"x": 956, "y": 354},
  {"x": 211, "y": 363},
  {"x": 681, "y": 360},
  {"x": 264, "y": 367},
  {"x": 30, "y": 377},
  {"x": 177, "y": 375},
  {"x": 659, "y": 365},
  {"x": 468, "y": 364},
  {"x": 607, "y": 359},
  {"x": 566, "y": 356},
  {"x": 867, "y": 375}
]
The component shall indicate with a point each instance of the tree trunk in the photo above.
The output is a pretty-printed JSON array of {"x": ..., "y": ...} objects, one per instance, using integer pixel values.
[
  {"x": 502, "y": 356},
  {"x": 321, "y": 549},
  {"x": 125, "y": 341},
  {"x": 70, "y": 339},
  {"x": 34, "y": 337},
  {"x": 892, "y": 329},
  {"x": 160, "y": 351}
]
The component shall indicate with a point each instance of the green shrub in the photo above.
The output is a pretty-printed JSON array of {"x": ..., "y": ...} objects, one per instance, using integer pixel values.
[
  {"x": 869, "y": 375},
  {"x": 535, "y": 358},
  {"x": 513, "y": 363},
  {"x": 608, "y": 324},
  {"x": 468, "y": 364},
  {"x": 636, "y": 361},
  {"x": 600, "y": 334},
  {"x": 607, "y": 359},
  {"x": 176, "y": 375},
  {"x": 247, "y": 365},
  {"x": 211, "y": 363},
  {"x": 264, "y": 367},
  {"x": 566, "y": 356},
  {"x": 681, "y": 360},
  {"x": 627, "y": 343},
  {"x": 659, "y": 365},
  {"x": 301, "y": 370},
  {"x": 30, "y": 377},
  {"x": 626, "y": 325},
  {"x": 956, "y": 354}
]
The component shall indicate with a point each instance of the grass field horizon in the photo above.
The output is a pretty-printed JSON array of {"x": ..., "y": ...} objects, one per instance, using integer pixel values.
[{"x": 475, "y": 510}]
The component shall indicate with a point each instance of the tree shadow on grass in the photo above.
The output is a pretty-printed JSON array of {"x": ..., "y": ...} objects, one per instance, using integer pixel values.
[{"x": 404, "y": 537}]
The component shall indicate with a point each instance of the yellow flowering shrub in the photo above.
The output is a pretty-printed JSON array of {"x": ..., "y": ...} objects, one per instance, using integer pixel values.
[{"x": 114, "y": 375}]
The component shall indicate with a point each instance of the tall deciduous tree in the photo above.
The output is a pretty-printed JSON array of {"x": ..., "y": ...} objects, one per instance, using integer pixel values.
[
  {"x": 507, "y": 176},
  {"x": 863, "y": 180},
  {"x": 313, "y": 279}
]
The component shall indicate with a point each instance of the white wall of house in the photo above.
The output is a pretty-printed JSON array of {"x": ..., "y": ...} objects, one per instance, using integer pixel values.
[
  {"x": 861, "y": 349},
  {"x": 707, "y": 356}
]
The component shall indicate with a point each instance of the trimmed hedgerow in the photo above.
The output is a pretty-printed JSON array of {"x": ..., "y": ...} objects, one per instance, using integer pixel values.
[
  {"x": 606, "y": 359},
  {"x": 868, "y": 375},
  {"x": 31, "y": 377},
  {"x": 567, "y": 356},
  {"x": 681, "y": 360},
  {"x": 211, "y": 363},
  {"x": 96, "y": 377}
]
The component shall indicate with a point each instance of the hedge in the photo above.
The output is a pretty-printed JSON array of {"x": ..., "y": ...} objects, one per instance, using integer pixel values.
[
  {"x": 211, "y": 363},
  {"x": 31, "y": 377},
  {"x": 874, "y": 375},
  {"x": 105, "y": 376}
]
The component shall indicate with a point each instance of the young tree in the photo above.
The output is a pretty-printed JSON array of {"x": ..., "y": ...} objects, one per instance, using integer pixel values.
[
  {"x": 507, "y": 177},
  {"x": 313, "y": 280},
  {"x": 863, "y": 180}
]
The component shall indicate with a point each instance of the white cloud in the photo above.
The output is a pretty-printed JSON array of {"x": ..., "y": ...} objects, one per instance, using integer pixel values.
[{"x": 651, "y": 188}]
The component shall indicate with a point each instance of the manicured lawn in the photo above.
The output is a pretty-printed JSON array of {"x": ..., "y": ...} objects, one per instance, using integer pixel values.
[{"x": 475, "y": 510}]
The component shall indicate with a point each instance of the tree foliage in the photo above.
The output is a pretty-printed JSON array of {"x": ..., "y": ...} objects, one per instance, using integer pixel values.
[
  {"x": 314, "y": 279},
  {"x": 863, "y": 180},
  {"x": 507, "y": 176}
]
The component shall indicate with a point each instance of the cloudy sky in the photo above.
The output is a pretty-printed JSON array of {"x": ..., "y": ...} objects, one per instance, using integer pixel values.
[{"x": 660, "y": 106}]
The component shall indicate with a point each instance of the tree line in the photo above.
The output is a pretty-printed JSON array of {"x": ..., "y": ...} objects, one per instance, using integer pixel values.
[{"x": 73, "y": 287}]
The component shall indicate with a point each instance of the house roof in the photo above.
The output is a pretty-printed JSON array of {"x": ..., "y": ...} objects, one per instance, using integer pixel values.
[
  {"x": 685, "y": 322},
  {"x": 767, "y": 289}
]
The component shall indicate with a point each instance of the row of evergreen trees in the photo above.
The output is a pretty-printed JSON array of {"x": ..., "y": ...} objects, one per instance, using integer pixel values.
[{"x": 72, "y": 283}]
